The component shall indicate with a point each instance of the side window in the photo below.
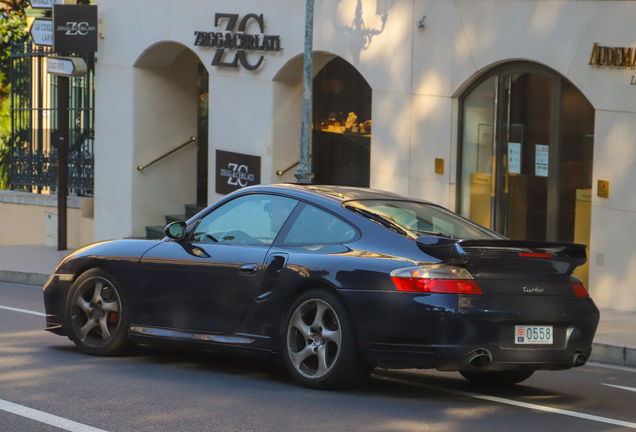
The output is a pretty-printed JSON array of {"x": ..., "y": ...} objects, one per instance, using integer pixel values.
[
  {"x": 250, "y": 219},
  {"x": 315, "y": 226}
]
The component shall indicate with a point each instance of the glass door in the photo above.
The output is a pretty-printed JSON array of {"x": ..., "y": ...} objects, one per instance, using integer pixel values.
[{"x": 523, "y": 150}]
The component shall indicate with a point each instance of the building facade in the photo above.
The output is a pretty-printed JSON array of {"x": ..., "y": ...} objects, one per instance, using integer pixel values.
[{"x": 520, "y": 114}]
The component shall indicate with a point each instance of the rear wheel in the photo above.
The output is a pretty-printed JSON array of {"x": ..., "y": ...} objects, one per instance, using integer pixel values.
[
  {"x": 496, "y": 378},
  {"x": 96, "y": 313},
  {"x": 319, "y": 343}
]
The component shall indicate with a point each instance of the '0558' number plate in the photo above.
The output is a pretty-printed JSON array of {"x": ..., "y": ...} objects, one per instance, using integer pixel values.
[{"x": 534, "y": 335}]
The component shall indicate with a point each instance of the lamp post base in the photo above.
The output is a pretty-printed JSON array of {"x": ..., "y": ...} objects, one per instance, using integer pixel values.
[{"x": 304, "y": 177}]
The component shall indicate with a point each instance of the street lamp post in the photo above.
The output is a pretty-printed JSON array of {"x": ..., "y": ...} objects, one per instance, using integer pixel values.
[{"x": 304, "y": 174}]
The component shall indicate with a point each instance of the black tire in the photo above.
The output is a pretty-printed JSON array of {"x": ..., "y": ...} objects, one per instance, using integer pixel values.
[
  {"x": 333, "y": 339},
  {"x": 97, "y": 315},
  {"x": 497, "y": 378}
]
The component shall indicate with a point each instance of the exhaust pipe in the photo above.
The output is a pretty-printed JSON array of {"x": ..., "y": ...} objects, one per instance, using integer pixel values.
[
  {"x": 479, "y": 358},
  {"x": 578, "y": 360}
]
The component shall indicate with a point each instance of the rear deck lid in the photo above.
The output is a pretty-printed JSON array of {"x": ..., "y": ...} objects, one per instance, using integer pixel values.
[{"x": 511, "y": 267}]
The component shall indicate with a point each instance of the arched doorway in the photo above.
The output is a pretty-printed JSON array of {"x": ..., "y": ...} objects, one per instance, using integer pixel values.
[
  {"x": 341, "y": 140},
  {"x": 340, "y": 152},
  {"x": 526, "y": 154},
  {"x": 170, "y": 96}
]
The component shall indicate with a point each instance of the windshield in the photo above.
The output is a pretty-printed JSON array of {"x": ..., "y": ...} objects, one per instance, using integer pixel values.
[{"x": 420, "y": 219}]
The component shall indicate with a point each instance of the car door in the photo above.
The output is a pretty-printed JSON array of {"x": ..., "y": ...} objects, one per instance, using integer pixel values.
[{"x": 205, "y": 282}]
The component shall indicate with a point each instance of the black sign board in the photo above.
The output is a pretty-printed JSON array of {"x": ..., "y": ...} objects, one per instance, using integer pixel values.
[
  {"x": 235, "y": 171},
  {"x": 74, "y": 28}
]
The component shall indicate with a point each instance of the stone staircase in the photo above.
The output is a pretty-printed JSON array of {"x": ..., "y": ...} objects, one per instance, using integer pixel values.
[{"x": 156, "y": 232}]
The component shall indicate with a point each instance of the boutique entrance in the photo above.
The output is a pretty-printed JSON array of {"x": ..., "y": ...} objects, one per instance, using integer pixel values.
[
  {"x": 527, "y": 140},
  {"x": 341, "y": 141}
]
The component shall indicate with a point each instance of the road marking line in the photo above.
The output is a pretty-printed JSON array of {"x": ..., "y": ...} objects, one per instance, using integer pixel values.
[
  {"x": 23, "y": 311},
  {"x": 46, "y": 418},
  {"x": 621, "y": 387},
  {"x": 609, "y": 366},
  {"x": 517, "y": 403}
]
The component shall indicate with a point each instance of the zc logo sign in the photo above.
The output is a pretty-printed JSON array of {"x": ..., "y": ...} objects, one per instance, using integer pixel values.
[
  {"x": 76, "y": 28},
  {"x": 236, "y": 170},
  {"x": 237, "y": 175},
  {"x": 237, "y": 40}
]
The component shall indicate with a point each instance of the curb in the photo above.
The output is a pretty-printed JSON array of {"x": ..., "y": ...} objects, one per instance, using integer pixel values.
[
  {"x": 614, "y": 355},
  {"x": 25, "y": 278}
]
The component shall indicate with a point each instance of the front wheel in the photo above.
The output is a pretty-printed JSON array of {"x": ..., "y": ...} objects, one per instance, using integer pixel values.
[
  {"x": 497, "y": 378},
  {"x": 319, "y": 343},
  {"x": 96, "y": 314}
]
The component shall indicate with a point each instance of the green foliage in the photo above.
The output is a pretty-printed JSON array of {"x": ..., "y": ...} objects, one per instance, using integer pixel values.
[
  {"x": 5, "y": 134},
  {"x": 12, "y": 29}
]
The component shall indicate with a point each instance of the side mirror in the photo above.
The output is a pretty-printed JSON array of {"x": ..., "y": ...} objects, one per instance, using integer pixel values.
[{"x": 176, "y": 230}]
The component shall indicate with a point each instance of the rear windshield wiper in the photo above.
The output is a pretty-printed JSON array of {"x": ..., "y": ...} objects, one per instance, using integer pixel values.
[{"x": 387, "y": 221}]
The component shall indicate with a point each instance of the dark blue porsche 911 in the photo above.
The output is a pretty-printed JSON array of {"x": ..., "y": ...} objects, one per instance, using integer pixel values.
[{"x": 333, "y": 281}]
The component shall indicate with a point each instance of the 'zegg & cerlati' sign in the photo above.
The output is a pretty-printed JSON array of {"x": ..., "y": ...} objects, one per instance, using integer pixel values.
[
  {"x": 237, "y": 40},
  {"x": 236, "y": 170},
  {"x": 75, "y": 28}
]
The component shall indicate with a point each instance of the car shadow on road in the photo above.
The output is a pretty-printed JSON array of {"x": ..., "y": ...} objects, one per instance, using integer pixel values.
[{"x": 392, "y": 383}]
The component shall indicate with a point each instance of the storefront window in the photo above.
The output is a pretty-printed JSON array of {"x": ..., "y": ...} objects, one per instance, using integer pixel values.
[{"x": 341, "y": 146}]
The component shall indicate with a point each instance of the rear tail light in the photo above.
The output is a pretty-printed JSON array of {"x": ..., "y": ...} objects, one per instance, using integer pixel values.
[
  {"x": 579, "y": 290},
  {"x": 435, "y": 279}
]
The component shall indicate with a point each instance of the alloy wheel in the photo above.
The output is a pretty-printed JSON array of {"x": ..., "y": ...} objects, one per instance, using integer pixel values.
[
  {"x": 96, "y": 312},
  {"x": 314, "y": 338}
]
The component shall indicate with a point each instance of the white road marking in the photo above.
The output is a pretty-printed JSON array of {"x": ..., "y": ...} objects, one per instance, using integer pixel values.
[
  {"x": 46, "y": 418},
  {"x": 609, "y": 366},
  {"x": 23, "y": 311},
  {"x": 516, "y": 403},
  {"x": 621, "y": 387}
]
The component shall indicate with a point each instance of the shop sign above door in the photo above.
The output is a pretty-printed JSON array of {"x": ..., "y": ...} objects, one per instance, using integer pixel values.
[
  {"x": 237, "y": 40},
  {"x": 235, "y": 171},
  {"x": 613, "y": 56}
]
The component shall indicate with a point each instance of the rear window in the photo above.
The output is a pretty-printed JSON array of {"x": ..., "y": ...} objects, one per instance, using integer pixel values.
[
  {"x": 316, "y": 226},
  {"x": 420, "y": 219}
]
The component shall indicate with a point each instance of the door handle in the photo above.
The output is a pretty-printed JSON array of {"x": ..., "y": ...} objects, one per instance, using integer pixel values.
[{"x": 248, "y": 269}]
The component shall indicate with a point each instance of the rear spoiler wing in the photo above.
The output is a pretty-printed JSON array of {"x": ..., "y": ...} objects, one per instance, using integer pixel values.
[{"x": 454, "y": 251}]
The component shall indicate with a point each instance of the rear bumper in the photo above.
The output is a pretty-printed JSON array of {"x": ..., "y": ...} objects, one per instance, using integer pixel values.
[
  {"x": 55, "y": 291},
  {"x": 412, "y": 330}
]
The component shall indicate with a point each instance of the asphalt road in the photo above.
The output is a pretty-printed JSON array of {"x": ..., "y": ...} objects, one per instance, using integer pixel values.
[{"x": 46, "y": 381}]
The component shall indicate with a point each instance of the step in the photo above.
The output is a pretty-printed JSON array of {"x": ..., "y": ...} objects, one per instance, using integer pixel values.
[
  {"x": 155, "y": 232},
  {"x": 175, "y": 218},
  {"x": 191, "y": 210}
]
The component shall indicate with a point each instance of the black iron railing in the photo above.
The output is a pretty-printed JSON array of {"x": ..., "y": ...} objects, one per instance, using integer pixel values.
[{"x": 34, "y": 123}]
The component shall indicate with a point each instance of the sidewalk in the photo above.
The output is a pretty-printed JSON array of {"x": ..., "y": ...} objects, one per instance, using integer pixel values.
[{"x": 615, "y": 341}]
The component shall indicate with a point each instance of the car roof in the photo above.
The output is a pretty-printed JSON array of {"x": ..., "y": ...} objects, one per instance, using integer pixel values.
[{"x": 338, "y": 193}]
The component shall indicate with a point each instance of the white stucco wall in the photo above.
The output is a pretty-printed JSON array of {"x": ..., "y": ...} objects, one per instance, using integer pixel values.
[{"x": 416, "y": 76}]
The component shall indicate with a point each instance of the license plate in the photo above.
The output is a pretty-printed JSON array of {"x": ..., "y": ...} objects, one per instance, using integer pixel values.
[{"x": 534, "y": 335}]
